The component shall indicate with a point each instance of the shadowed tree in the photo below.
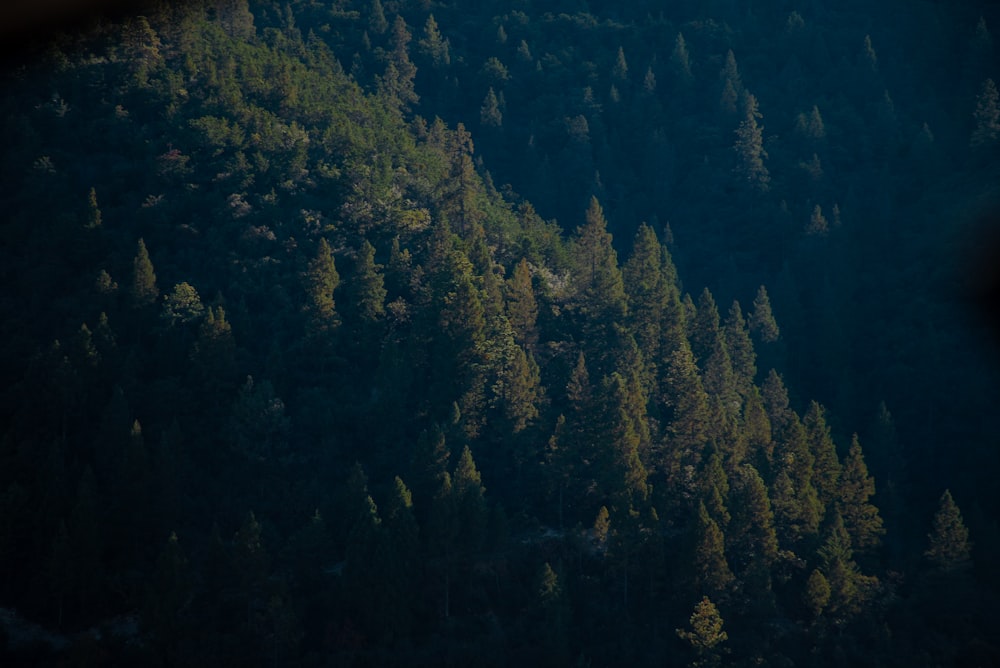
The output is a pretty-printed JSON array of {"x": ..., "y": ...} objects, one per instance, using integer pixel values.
[
  {"x": 522, "y": 308},
  {"x": 321, "y": 281},
  {"x": 826, "y": 466},
  {"x": 987, "y": 115},
  {"x": 749, "y": 147},
  {"x": 705, "y": 635},
  {"x": 855, "y": 489},
  {"x": 762, "y": 322},
  {"x": 143, "y": 290},
  {"x": 948, "y": 547}
]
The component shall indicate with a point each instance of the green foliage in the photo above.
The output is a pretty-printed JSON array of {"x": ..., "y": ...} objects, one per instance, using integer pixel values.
[
  {"x": 948, "y": 547},
  {"x": 855, "y": 490},
  {"x": 182, "y": 305},
  {"x": 143, "y": 290},
  {"x": 320, "y": 281},
  {"x": 260, "y": 171},
  {"x": 705, "y": 635},
  {"x": 762, "y": 322}
]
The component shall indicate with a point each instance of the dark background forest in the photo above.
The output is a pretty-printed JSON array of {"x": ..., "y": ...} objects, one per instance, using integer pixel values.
[{"x": 375, "y": 332}]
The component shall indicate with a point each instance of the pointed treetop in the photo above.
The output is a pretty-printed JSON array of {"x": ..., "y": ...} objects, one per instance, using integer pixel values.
[
  {"x": 949, "y": 548},
  {"x": 762, "y": 322}
]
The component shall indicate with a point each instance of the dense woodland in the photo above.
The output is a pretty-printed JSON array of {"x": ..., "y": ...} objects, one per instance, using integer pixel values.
[{"x": 361, "y": 333}]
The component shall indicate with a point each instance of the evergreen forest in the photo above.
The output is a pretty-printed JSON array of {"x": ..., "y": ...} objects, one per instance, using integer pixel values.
[{"x": 441, "y": 333}]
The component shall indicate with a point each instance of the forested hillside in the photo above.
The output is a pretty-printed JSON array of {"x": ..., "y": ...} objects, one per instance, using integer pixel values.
[{"x": 411, "y": 333}]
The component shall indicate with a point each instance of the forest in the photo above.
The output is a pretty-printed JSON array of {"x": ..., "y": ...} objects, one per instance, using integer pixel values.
[{"x": 438, "y": 333}]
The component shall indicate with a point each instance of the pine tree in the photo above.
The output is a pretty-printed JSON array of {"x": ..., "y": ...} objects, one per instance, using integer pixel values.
[
  {"x": 620, "y": 70},
  {"x": 489, "y": 113},
  {"x": 522, "y": 308},
  {"x": 143, "y": 290},
  {"x": 762, "y": 322},
  {"x": 686, "y": 420},
  {"x": 740, "y": 349},
  {"x": 469, "y": 501},
  {"x": 368, "y": 285},
  {"x": 397, "y": 82},
  {"x": 751, "y": 538},
  {"x": 433, "y": 46},
  {"x": 555, "y": 616},
  {"x": 817, "y": 225},
  {"x": 749, "y": 148},
  {"x": 817, "y": 593},
  {"x": 861, "y": 517},
  {"x": 618, "y": 464},
  {"x": 251, "y": 563},
  {"x": 93, "y": 212},
  {"x": 600, "y": 300},
  {"x": 732, "y": 85},
  {"x": 321, "y": 281},
  {"x": 987, "y": 115},
  {"x": 680, "y": 60},
  {"x": 182, "y": 305},
  {"x": 706, "y": 635},
  {"x": 847, "y": 584},
  {"x": 400, "y": 553},
  {"x": 826, "y": 466},
  {"x": 169, "y": 593},
  {"x": 713, "y": 574},
  {"x": 647, "y": 290},
  {"x": 949, "y": 549},
  {"x": 797, "y": 508}
]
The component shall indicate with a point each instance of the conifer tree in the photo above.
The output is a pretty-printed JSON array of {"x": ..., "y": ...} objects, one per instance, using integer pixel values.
[
  {"x": 705, "y": 329},
  {"x": 856, "y": 487},
  {"x": 143, "y": 291},
  {"x": 321, "y": 281},
  {"x": 602, "y": 290},
  {"x": 490, "y": 115},
  {"x": 620, "y": 70},
  {"x": 751, "y": 540},
  {"x": 469, "y": 501},
  {"x": 826, "y": 466},
  {"x": 686, "y": 419},
  {"x": 749, "y": 148},
  {"x": 817, "y": 593},
  {"x": 987, "y": 115},
  {"x": 797, "y": 508},
  {"x": 716, "y": 486},
  {"x": 433, "y": 46},
  {"x": 182, "y": 305},
  {"x": 948, "y": 549},
  {"x": 680, "y": 60},
  {"x": 847, "y": 584},
  {"x": 368, "y": 285},
  {"x": 756, "y": 428},
  {"x": 732, "y": 85},
  {"x": 762, "y": 322},
  {"x": 522, "y": 308},
  {"x": 713, "y": 574},
  {"x": 401, "y": 549},
  {"x": 647, "y": 290},
  {"x": 93, "y": 212},
  {"x": 705, "y": 635},
  {"x": 251, "y": 563},
  {"x": 516, "y": 389},
  {"x": 397, "y": 82},
  {"x": 622, "y": 472},
  {"x": 740, "y": 348},
  {"x": 555, "y": 615},
  {"x": 169, "y": 592}
]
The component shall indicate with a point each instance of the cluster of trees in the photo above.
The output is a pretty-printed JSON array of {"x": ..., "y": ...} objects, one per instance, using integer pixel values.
[{"x": 288, "y": 379}]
